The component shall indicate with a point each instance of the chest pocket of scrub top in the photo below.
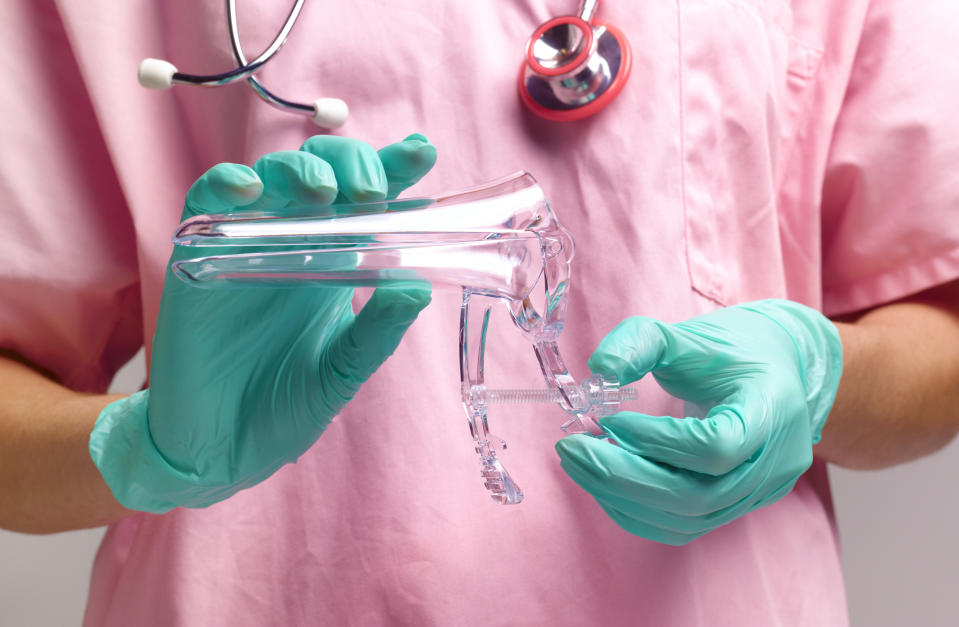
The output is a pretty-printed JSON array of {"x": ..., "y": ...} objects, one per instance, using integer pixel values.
[{"x": 741, "y": 76}]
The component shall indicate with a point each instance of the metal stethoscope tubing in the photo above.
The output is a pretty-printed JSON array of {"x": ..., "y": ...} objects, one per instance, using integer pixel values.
[
  {"x": 326, "y": 112},
  {"x": 238, "y": 55}
]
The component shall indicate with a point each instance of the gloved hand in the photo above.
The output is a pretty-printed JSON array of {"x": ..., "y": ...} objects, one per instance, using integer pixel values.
[
  {"x": 243, "y": 381},
  {"x": 769, "y": 370}
]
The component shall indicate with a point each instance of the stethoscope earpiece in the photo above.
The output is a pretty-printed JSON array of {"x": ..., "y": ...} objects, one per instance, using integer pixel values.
[
  {"x": 328, "y": 113},
  {"x": 156, "y": 74},
  {"x": 574, "y": 66}
]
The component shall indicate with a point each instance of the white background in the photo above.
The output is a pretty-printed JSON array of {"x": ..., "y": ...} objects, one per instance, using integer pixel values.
[{"x": 898, "y": 529}]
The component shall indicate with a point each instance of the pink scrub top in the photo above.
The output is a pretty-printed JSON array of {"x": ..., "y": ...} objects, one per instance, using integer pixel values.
[{"x": 761, "y": 148}]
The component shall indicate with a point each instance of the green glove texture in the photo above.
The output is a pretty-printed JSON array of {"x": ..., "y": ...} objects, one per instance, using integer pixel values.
[
  {"x": 768, "y": 370},
  {"x": 244, "y": 380}
]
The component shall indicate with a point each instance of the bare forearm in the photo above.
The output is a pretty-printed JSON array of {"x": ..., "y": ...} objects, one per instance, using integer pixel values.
[
  {"x": 899, "y": 395},
  {"x": 48, "y": 482}
]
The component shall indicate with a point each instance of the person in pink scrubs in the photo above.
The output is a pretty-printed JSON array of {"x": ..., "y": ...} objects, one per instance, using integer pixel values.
[{"x": 762, "y": 149}]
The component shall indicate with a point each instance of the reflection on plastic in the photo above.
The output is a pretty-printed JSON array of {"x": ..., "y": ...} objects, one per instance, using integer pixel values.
[{"x": 498, "y": 243}]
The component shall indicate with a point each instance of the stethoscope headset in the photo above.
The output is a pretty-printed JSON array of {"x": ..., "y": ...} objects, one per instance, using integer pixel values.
[{"x": 574, "y": 67}]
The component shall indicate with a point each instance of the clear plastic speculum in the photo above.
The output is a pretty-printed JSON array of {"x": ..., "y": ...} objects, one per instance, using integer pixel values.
[{"x": 499, "y": 243}]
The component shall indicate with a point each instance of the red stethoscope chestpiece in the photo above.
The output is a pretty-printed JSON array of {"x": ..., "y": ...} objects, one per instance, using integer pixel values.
[
  {"x": 573, "y": 68},
  {"x": 561, "y": 63}
]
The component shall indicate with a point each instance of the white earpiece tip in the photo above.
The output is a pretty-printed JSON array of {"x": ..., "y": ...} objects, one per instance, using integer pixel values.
[
  {"x": 156, "y": 73},
  {"x": 330, "y": 112}
]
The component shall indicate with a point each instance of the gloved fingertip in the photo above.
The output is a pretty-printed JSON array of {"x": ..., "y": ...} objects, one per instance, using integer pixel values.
[
  {"x": 356, "y": 166},
  {"x": 297, "y": 176},
  {"x": 562, "y": 447},
  {"x": 367, "y": 194},
  {"x": 248, "y": 193},
  {"x": 406, "y": 162},
  {"x": 584, "y": 458},
  {"x": 610, "y": 423},
  {"x": 607, "y": 364},
  {"x": 246, "y": 187},
  {"x": 623, "y": 429},
  {"x": 632, "y": 349},
  {"x": 221, "y": 188},
  {"x": 571, "y": 447},
  {"x": 413, "y": 156},
  {"x": 364, "y": 179},
  {"x": 424, "y": 156},
  {"x": 323, "y": 194},
  {"x": 318, "y": 184}
]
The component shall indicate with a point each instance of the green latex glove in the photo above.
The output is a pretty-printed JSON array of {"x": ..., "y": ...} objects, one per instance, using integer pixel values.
[
  {"x": 768, "y": 371},
  {"x": 243, "y": 381}
]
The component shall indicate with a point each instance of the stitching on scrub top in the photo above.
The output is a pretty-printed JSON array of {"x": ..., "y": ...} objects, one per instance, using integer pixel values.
[
  {"x": 713, "y": 294},
  {"x": 682, "y": 146}
]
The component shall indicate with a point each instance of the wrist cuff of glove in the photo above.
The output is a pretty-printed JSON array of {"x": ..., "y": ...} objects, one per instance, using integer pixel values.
[
  {"x": 138, "y": 475},
  {"x": 820, "y": 353}
]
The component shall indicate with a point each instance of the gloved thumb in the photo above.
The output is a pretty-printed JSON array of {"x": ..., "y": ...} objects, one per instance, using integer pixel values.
[
  {"x": 635, "y": 347},
  {"x": 371, "y": 337}
]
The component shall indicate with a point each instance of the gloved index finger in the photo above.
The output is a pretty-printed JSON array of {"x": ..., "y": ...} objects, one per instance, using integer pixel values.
[{"x": 635, "y": 347}]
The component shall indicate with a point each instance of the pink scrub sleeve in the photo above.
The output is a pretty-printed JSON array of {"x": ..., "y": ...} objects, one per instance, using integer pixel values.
[
  {"x": 69, "y": 289},
  {"x": 891, "y": 190}
]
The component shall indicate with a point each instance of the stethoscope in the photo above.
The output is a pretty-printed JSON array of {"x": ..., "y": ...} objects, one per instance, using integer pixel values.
[{"x": 574, "y": 67}]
